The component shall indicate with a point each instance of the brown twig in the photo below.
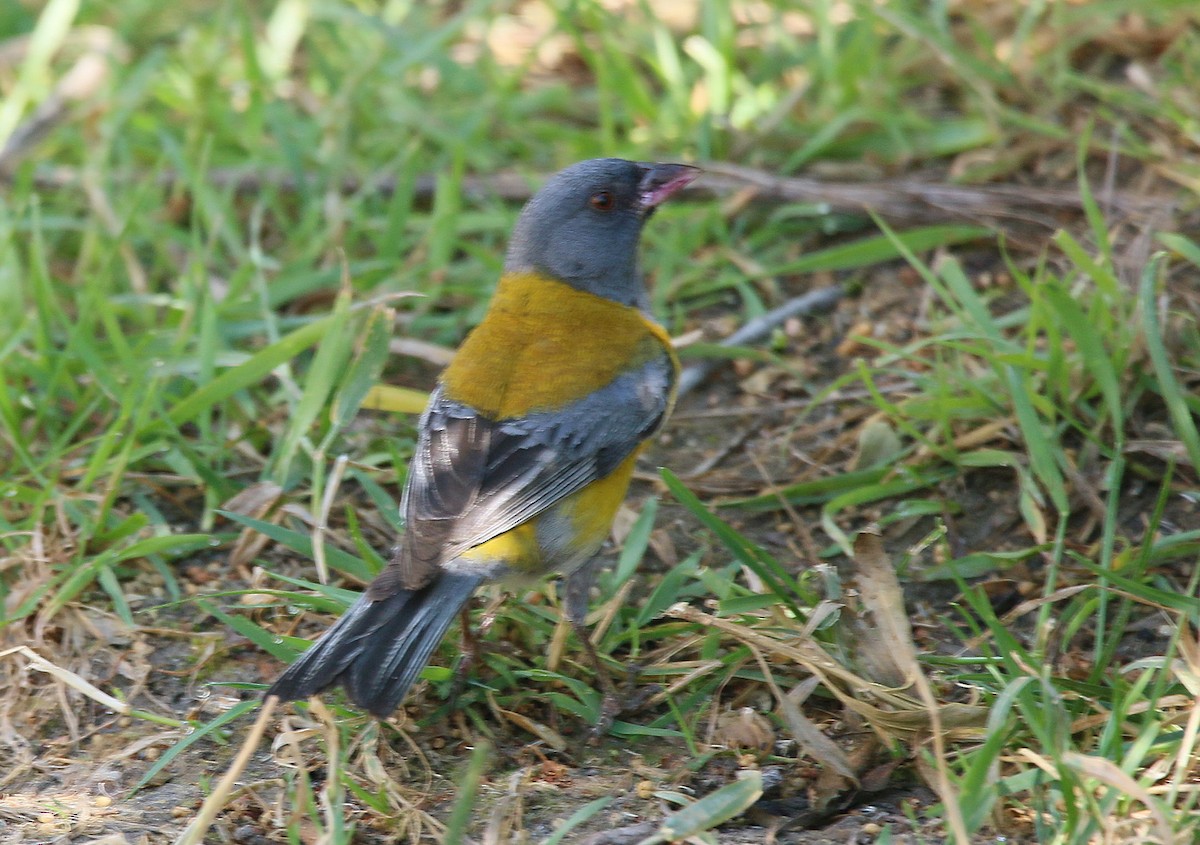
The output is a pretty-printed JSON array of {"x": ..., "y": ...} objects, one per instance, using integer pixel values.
[
  {"x": 822, "y": 299},
  {"x": 904, "y": 200},
  {"x": 914, "y": 200}
]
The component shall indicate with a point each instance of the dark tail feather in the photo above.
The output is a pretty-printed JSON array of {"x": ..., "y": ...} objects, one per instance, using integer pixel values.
[{"x": 377, "y": 649}]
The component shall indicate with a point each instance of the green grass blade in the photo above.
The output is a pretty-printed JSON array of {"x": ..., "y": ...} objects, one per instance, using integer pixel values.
[
  {"x": 322, "y": 378},
  {"x": 256, "y": 634},
  {"x": 1182, "y": 420},
  {"x": 580, "y": 816},
  {"x": 713, "y": 809},
  {"x": 211, "y": 730},
  {"x": 876, "y": 250},
  {"x": 302, "y": 543},
  {"x": 468, "y": 788},
  {"x": 750, "y": 554},
  {"x": 250, "y": 372}
]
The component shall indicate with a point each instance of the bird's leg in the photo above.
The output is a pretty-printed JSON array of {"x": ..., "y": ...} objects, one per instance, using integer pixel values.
[
  {"x": 469, "y": 645},
  {"x": 473, "y": 646},
  {"x": 576, "y": 588},
  {"x": 470, "y": 642}
]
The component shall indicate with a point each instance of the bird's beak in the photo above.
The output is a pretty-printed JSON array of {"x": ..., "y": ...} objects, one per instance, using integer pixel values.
[{"x": 661, "y": 181}]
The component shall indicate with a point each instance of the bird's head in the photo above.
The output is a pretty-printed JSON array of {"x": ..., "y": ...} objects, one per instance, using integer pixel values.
[{"x": 584, "y": 225}]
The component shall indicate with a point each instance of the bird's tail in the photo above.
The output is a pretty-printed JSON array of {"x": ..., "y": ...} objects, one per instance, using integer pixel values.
[{"x": 377, "y": 649}]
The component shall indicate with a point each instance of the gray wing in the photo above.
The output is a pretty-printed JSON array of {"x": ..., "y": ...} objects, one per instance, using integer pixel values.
[{"x": 472, "y": 479}]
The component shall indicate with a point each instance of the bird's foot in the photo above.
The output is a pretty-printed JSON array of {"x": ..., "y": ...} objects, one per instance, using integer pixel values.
[
  {"x": 473, "y": 648},
  {"x": 630, "y": 699}
]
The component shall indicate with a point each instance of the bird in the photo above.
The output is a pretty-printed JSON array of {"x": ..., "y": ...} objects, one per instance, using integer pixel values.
[{"x": 527, "y": 445}]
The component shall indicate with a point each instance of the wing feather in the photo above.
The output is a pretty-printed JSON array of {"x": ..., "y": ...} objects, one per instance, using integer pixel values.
[{"x": 473, "y": 479}]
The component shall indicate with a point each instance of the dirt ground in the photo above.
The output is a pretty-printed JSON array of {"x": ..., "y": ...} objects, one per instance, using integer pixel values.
[{"x": 68, "y": 764}]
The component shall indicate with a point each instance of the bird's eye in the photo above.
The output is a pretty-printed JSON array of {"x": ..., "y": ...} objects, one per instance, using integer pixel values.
[{"x": 603, "y": 201}]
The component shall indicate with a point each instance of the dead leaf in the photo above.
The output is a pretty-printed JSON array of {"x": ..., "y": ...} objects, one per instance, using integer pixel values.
[
  {"x": 257, "y": 502},
  {"x": 852, "y": 344},
  {"x": 546, "y": 734},
  {"x": 744, "y": 728},
  {"x": 887, "y": 642},
  {"x": 1165, "y": 450},
  {"x": 878, "y": 444},
  {"x": 883, "y": 598}
]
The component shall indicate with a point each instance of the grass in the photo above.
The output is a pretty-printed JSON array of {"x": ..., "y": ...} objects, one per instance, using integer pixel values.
[{"x": 184, "y": 355}]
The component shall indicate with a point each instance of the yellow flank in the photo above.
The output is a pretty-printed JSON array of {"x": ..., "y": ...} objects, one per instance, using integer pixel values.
[
  {"x": 590, "y": 513},
  {"x": 517, "y": 547},
  {"x": 544, "y": 344},
  {"x": 592, "y": 509}
]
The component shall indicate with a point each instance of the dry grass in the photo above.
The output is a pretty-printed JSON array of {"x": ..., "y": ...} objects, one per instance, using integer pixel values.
[{"x": 182, "y": 227}]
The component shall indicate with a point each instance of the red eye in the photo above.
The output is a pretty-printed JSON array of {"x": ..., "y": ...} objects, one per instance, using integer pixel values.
[{"x": 603, "y": 201}]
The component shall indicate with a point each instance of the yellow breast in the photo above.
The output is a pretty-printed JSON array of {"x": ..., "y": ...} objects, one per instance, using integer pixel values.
[{"x": 544, "y": 344}]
